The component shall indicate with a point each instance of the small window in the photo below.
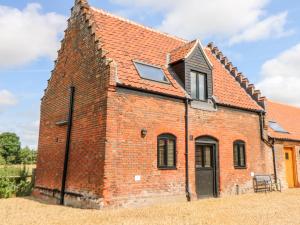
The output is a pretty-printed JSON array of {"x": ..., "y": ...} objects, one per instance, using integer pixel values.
[
  {"x": 199, "y": 86},
  {"x": 166, "y": 151},
  {"x": 239, "y": 154},
  {"x": 151, "y": 72}
]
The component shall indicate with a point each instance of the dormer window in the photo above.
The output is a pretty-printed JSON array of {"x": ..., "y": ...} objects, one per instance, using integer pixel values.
[
  {"x": 199, "y": 86},
  {"x": 150, "y": 72}
]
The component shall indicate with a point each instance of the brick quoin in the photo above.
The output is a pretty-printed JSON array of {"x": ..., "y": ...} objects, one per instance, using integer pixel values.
[{"x": 107, "y": 150}]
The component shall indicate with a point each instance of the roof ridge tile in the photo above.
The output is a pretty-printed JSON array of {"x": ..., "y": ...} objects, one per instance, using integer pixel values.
[{"x": 137, "y": 24}]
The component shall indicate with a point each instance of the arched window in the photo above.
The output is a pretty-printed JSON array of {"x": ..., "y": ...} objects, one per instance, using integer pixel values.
[
  {"x": 239, "y": 154},
  {"x": 166, "y": 151}
]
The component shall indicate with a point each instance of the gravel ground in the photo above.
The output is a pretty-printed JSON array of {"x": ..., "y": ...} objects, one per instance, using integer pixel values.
[{"x": 272, "y": 208}]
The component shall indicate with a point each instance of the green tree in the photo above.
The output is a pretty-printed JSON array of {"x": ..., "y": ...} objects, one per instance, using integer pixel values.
[
  {"x": 27, "y": 156},
  {"x": 10, "y": 147}
]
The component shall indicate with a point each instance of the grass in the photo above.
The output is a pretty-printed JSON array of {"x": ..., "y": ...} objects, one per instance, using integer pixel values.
[
  {"x": 272, "y": 208},
  {"x": 14, "y": 170}
]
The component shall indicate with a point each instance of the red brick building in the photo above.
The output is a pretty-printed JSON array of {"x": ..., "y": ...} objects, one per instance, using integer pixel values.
[
  {"x": 154, "y": 117},
  {"x": 284, "y": 133}
]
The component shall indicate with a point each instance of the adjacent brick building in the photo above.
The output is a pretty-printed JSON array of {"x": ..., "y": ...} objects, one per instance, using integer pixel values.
[
  {"x": 155, "y": 118},
  {"x": 284, "y": 133}
]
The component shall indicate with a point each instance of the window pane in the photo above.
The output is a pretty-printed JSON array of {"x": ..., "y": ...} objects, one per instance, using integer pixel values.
[
  {"x": 276, "y": 127},
  {"x": 150, "y": 72},
  {"x": 202, "y": 86},
  {"x": 207, "y": 161},
  {"x": 235, "y": 155},
  {"x": 171, "y": 150},
  {"x": 242, "y": 155},
  {"x": 161, "y": 151},
  {"x": 193, "y": 85},
  {"x": 199, "y": 156}
]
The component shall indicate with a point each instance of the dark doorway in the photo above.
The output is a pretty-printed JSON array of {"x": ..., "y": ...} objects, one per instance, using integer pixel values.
[{"x": 206, "y": 167}]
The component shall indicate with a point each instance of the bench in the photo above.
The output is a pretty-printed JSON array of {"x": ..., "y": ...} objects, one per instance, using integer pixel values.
[{"x": 266, "y": 183}]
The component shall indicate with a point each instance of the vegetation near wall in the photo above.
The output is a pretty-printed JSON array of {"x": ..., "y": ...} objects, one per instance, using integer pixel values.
[{"x": 16, "y": 165}]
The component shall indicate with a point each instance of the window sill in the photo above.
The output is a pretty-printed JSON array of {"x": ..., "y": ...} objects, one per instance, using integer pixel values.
[
  {"x": 199, "y": 100},
  {"x": 167, "y": 168},
  {"x": 240, "y": 167}
]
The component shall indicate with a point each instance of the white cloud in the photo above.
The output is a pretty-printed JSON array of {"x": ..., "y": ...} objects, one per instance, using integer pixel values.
[
  {"x": 7, "y": 98},
  {"x": 29, "y": 133},
  {"x": 28, "y": 34},
  {"x": 281, "y": 77},
  {"x": 273, "y": 26},
  {"x": 231, "y": 19},
  {"x": 27, "y": 130}
]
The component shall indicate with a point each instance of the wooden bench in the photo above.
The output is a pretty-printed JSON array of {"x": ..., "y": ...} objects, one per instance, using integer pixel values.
[{"x": 266, "y": 183}]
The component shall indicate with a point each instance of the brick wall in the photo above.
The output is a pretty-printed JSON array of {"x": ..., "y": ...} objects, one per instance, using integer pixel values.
[
  {"x": 128, "y": 154},
  {"x": 228, "y": 125},
  {"x": 81, "y": 65}
]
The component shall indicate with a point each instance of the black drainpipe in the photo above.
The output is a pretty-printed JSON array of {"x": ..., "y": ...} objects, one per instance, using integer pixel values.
[
  {"x": 187, "y": 187},
  {"x": 270, "y": 144},
  {"x": 68, "y": 140},
  {"x": 274, "y": 159}
]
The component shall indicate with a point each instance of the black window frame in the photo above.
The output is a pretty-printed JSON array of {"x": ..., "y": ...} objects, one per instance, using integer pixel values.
[
  {"x": 238, "y": 165},
  {"x": 167, "y": 137},
  {"x": 197, "y": 86}
]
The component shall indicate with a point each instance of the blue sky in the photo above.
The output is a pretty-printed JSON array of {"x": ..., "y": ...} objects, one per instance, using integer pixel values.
[{"x": 261, "y": 37}]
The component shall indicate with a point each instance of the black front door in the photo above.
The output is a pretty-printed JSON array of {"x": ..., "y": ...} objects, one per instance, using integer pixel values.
[{"x": 205, "y": 170}]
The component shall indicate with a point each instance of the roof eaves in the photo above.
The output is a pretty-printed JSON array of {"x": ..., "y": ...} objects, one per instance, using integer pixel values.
[{"x": 284, "y": 139}]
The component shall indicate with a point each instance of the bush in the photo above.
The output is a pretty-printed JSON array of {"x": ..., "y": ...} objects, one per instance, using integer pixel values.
[
  {"x": 19, "y": 186},
  {"x": 7, "y": 187},
  {"x": 2, "y": 161},
  {"x": 24, "y": 186}
]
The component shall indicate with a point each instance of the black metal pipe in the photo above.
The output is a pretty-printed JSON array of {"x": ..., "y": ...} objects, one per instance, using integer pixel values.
[
  {"x": 150, "y": 91},
  {"x": 67, "y": 151},
  {"x": 187, "y": 186},
  {"x": 261, "y": 126},
  {"x": 274, "y": 160},
  {"x": 269, "y": 143}
]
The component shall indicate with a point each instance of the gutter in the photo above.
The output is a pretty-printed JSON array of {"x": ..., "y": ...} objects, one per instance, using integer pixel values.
[
  {"x": 68, "y": 141},
  {"x": 150, "y": 92}
]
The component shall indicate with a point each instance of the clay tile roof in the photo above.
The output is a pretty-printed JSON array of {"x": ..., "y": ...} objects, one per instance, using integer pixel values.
[
  {"x": 226, "y": 89},
  {"x": 182, "y": 51},
  {"x": 288, "y": 117},
  {"x": 125, "y": 41}
]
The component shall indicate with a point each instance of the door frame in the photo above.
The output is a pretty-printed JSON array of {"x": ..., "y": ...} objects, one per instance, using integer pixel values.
[
  {"x": 209, "y": 140},
  {"x": 294, "y": 162}
]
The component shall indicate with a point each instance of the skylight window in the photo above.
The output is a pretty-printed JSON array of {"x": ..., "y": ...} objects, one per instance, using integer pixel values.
[
  {"x": 151, "y": 72},
  {"x": 276, "y": 127}
]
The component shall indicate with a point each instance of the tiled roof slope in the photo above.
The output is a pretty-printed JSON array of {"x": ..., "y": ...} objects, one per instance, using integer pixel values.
[
  {"x": 288, "y": 117},
  {"x": 124, "y": 41},
  {"x": 182, "y": 51},
  {"x": 238, "y": 76},
  {"x": 226, "y": 89}
]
